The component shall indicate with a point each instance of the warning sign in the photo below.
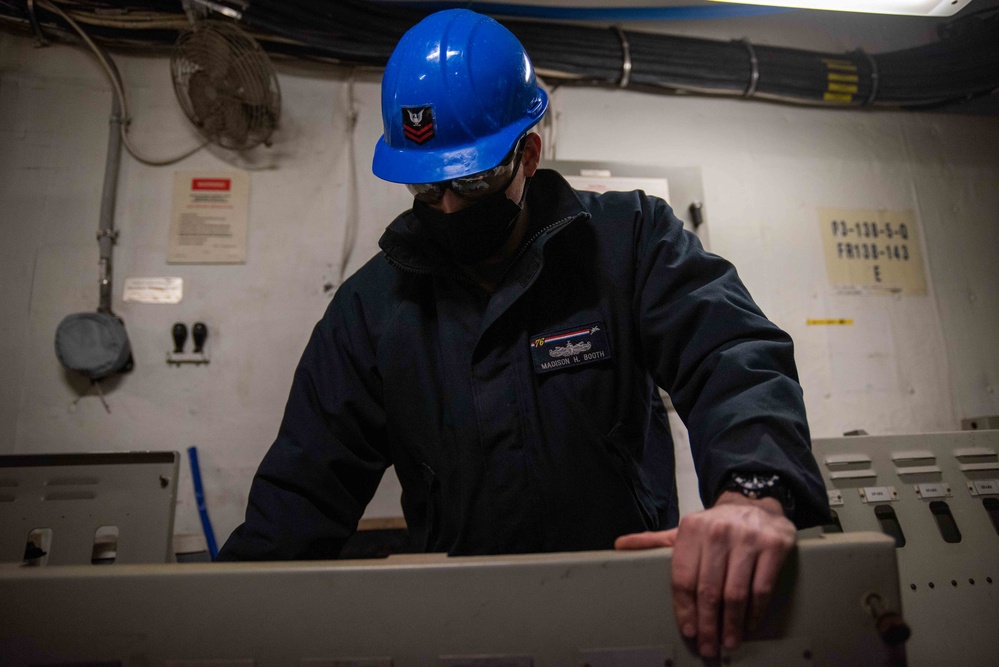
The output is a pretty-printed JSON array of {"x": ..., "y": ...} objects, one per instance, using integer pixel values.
[{"x": 209, "y": 222}]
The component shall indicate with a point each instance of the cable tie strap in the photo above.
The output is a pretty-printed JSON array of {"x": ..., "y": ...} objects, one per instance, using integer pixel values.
[
  {"x": 874, "y": 77},
  {"x": 626, "y": 58},
  {"x": 108, "y": 233},
  {"x": 754, "y": 64}
]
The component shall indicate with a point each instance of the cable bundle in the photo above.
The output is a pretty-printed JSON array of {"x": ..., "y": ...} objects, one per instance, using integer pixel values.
[{"x": 962, "y": 65}]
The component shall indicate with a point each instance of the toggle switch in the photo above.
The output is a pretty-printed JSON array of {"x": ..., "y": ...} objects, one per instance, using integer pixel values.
[
  {"x": 179, "y": 333},
  {"x": 200, "y": 334}
]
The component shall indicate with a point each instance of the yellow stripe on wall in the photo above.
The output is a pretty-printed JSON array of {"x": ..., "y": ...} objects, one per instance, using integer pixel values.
[{"x": 840, "y": 322}]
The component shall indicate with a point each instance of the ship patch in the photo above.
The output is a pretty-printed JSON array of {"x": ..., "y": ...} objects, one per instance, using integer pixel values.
[{"x": 567, "y": 348}]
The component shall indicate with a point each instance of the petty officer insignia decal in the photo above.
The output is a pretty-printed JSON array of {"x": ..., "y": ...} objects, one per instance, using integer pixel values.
[
  {"x": 418, "y": 124},
  {"x": 569, "y": 347}
]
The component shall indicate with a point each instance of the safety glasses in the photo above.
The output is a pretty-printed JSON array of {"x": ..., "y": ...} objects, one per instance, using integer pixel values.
[{"x": 475, "y": 186}]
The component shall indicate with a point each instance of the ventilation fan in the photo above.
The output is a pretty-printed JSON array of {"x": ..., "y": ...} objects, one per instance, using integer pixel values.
[{"x": 226, "y": 85}]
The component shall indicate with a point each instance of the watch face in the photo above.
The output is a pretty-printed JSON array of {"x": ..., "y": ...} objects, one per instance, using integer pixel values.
[
  {"x": 755, "y": 482},
  {"x": 757, "y": 486}
]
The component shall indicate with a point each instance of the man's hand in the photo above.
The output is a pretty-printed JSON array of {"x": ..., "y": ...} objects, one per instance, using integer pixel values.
[{"x": 725, "y": 564}]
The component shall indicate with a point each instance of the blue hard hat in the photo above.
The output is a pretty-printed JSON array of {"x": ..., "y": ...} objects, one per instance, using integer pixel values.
[{"x": 457, "y": 93}]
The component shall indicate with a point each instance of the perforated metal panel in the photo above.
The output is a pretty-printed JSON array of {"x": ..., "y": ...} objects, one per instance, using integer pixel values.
[
  {"x": 70, "y": 498},
  {"x": 938, "y": 495}
]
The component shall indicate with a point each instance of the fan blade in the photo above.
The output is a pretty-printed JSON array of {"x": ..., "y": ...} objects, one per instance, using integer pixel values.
[
  {"x": 203, "y": 96},
  {"x": 249, "y": 77},
  {"x": 210, "y": 51},
  {"x": 235, "y": 127}
]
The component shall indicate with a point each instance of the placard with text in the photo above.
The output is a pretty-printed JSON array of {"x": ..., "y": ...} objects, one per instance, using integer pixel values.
[
  {"x": 209, "y": 222},
  {"x": 872, "y": 251}
]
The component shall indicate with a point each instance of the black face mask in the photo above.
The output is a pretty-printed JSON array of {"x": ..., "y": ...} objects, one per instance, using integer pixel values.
[{"x": 477, "y": 232}]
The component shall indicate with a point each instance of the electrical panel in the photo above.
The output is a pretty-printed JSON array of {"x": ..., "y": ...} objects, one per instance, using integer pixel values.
[
  {"x": 87, "y": 508},
  {"x": 937, "y": 496},
  {"x": 835, "y": 604}
]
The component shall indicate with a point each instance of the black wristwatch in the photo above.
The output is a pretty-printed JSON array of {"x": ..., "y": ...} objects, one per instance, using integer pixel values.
[{"x": 760, "y": 485}]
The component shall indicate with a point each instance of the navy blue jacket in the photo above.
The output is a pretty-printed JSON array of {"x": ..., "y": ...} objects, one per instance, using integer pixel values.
[{"x": 528, "y": 420}]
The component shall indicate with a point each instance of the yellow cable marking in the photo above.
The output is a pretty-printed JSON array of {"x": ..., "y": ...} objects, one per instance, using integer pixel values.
[
  {"x": 845, "y": 78},
  {"x": 842, "y": 88},
  {"x": 840, "y": 322},
  {"x": 843, "y": 65},
  {"x": 842, "y": 84}
]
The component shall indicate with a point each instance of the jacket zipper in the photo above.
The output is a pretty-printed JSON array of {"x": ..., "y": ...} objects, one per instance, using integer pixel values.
[{"x": 537, "y": 235}]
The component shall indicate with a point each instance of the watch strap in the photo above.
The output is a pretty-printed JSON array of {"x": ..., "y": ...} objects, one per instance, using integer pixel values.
[{"x": 761, "y": 485}]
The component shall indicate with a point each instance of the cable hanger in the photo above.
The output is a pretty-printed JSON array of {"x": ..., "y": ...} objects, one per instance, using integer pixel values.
[
  {"x": 625, "y": 59},
  {"x": 874, "y": 77},
  {"x": 754, "y": 64}
]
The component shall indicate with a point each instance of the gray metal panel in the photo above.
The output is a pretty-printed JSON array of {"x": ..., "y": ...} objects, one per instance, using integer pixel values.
[
  {"x": 602, "y": 608},
  {"x": 980, "y": 423},
  {"x": 949, "y": 590},
  {"x": 75, "y": 494},
  {"x": 685, "y": 185}
]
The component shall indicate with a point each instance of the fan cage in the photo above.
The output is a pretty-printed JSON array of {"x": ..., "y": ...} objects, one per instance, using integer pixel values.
[{"x": 226, "y": 85}]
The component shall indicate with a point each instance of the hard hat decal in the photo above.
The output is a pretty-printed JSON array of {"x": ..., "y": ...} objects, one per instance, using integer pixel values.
[{"x": 418, "y": 124}]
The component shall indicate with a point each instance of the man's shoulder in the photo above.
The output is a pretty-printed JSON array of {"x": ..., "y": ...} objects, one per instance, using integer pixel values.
[{"x": 374, "y": 279}]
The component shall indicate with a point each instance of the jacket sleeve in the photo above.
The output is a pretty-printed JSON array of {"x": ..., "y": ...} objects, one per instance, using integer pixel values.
[
  {"x": 729, "y": 371},
  {"x": 322, "y": 470}
]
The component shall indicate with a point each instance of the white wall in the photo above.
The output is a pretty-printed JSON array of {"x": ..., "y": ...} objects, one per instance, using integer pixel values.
[{"x": 909, "y": 364}]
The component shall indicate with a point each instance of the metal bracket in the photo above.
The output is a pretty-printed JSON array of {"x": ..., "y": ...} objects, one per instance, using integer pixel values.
[
  {"x": 874, "y": 77},
  {"x": 754, "y": 64},
  {"x": 625, "y": 58},
  {"x": 196, "y": 358}
]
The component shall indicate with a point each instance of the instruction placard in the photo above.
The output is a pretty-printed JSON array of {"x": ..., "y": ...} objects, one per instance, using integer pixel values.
[
  {"x": 209, "y": 223},
  {"x": 872, "y": 251}
]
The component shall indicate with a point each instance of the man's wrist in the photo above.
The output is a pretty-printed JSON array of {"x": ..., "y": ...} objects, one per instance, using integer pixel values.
[{"x": 759, "y": 486}]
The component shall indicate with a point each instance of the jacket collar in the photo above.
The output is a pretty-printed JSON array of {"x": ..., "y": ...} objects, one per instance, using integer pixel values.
[{"x": 552, "y": 203}]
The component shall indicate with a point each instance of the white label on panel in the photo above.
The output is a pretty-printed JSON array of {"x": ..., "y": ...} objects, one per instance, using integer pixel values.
[
  {"x": 878, "y": 494},
  {"x": 835, "y": 497},
  {"x": 154, "y": 290},
  {"x": 983, "y": 487},
  {"x": 935, "y": 490}
]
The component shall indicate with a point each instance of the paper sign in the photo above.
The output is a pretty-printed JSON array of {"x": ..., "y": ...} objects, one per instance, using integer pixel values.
[
  {"x": 209, "y": 223},
  {"x": 872, "y": 252}
]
